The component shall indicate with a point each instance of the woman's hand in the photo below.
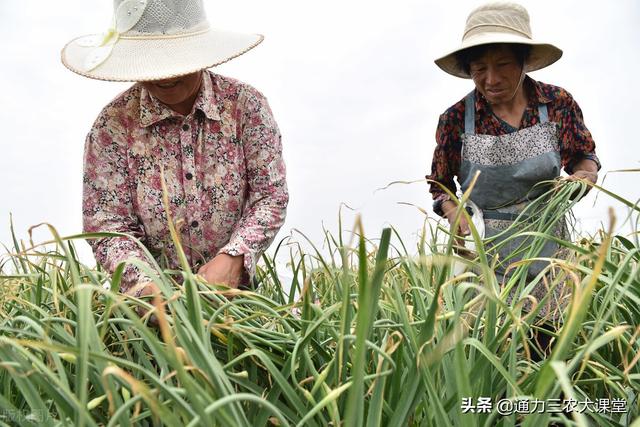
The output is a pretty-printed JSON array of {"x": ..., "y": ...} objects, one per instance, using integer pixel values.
[
  {"x": 146, "y": 289},
  {"x": 581, "y": 175},
  {"x": 224, "y": 269},
  {"x": 449, "y": 209},
  {"x": 585, "y": 170}
]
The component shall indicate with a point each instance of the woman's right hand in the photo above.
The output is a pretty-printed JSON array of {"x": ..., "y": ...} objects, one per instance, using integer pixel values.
[
  {"x": 449, "y": 209},
  {"x": 146, "y": 289}
]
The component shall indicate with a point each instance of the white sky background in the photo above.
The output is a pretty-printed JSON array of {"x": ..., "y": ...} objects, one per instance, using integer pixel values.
[{"x": 353, "y": 87}]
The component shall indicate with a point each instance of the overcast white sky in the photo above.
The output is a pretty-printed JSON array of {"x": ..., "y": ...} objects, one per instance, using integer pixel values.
[{"x": 353, "y": 87}]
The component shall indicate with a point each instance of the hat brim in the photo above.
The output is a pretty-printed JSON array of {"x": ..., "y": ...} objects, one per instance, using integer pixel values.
[
  {"x": 135, "y": 59},
  {"x": 542, "y": 54}
]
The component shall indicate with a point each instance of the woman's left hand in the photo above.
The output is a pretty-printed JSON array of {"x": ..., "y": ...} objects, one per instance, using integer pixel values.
[
  {"x": 579, "y": 175},
  {"x": 584, "y": 170},
  {"x": 224, "y": 269}
]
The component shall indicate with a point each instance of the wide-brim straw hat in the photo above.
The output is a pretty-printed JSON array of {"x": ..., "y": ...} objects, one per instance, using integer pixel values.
[
  {"x": 500, "y": 22},
  {"x": 154, "y": 40}
]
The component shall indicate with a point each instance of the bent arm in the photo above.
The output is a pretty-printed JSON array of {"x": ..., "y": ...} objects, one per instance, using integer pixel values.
[
  {"x": 577, "y": 147},
  {"x": 265, "y": 208},
  {"x": 445, "y": 164},
  {"x": 107, "y": 205}
]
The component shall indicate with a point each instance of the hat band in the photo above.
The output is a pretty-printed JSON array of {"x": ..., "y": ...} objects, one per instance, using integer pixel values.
[
  {"x": 515, "y": 30},
  {"x": 165, "y": 36}
]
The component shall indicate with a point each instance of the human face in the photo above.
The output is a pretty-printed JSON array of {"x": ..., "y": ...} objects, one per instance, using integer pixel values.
[
  {"x": 178, "y": 93},
  {"x": 497, "y": 75}
]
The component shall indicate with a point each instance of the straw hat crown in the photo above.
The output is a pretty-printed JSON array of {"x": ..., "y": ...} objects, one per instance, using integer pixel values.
[
  {"x": 500, "y": 22},
  {"x": 154, "y": 40},
  {"x": 498, "y": 17},
  {"x": 167, "y": 16}
]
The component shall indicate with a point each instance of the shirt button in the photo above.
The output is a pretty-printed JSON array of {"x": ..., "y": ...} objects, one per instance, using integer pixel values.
[
  {"x": 194, "y": 224},
  {"x": 189, "y": 175},
  {"x": 185, "y": 127}
]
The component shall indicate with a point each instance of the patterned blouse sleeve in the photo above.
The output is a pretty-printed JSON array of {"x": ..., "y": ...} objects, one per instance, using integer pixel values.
[
  {"x": 266, "y": 204},
  {"x": 446, "y": 161},
  {"x": 576, "y": 142},
  {"x": 107, "y": 204}
]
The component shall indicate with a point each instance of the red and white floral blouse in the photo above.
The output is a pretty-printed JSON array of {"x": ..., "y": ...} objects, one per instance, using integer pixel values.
[{"x": 222, "y": 164}]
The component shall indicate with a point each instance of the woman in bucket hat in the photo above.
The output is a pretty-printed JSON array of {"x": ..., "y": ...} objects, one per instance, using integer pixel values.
[
  {"x": 214, "y": 139},
  {"x": 516, "y": 131}
]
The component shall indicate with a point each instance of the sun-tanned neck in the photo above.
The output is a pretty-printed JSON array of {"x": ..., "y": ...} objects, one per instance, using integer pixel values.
[{"x": 511, "y": 111}]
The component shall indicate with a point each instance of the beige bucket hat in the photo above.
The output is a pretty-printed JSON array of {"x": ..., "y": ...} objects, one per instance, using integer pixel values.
[
  {"x": 500, "y": 22},
  {"x": 154, "y": 40}
]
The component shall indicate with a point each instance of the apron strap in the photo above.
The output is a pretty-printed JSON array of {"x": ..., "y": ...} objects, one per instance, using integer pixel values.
[
  {"x": 470, "y": 113},
  {"x": 544, "y": 113}
]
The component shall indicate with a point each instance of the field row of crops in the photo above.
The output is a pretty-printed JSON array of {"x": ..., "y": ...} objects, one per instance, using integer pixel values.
[{"x": 368, "y": 333}]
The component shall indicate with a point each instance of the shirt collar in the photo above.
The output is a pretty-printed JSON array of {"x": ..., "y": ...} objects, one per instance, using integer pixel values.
[
  {"x": 533, "y": 88},
  {"x": 207, "y": 101},
  {"x": 538, "y": 93},
  {"x": 153, "y": 111}
]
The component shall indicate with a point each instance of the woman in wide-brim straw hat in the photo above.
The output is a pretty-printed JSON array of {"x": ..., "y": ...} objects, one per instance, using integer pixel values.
[
  {"x": 213, "y": 138},
  {"x": 517, "y": 132}
]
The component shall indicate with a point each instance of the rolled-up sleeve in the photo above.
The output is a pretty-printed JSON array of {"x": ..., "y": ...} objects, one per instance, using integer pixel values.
[
  {"x": 266, "y": 203},
  {"x": 107, "y": 204}
]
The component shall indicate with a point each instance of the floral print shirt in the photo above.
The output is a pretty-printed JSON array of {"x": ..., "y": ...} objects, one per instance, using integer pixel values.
[
  {"x": 222, "y": 165},
  {"x": 575, "y": 139}
]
